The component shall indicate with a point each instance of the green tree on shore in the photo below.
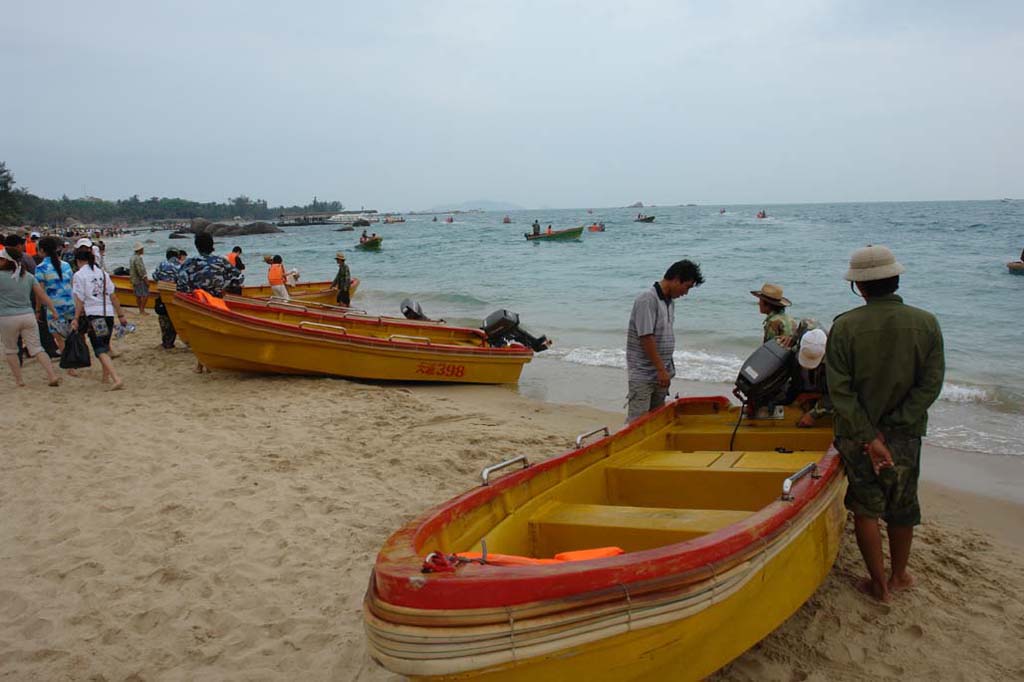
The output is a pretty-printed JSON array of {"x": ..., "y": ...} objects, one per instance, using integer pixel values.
[{"x": 10, "y": 204}]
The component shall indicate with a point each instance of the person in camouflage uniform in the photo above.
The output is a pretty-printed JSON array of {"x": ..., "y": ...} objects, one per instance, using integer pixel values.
[
  {"x": 343, "y": 280},
  {"x": 777, "y": 324},
  {"x": 212, "y": 274},
  {"x": 885, "y": 365},
  {"x": 208, "y": 272},
  {"x": 167, "y": 272}
]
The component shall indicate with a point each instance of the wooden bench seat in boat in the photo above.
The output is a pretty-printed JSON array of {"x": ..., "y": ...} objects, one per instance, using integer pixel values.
[
  {"x": 560, "y": 526},
  {"x": 713, "y": 479},
  {"x": 763, "y": 436}
]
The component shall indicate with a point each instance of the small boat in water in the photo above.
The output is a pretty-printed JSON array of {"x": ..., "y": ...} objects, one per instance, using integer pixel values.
[
  {"x": 1016, "y": 267},
  {"x": 595, "y": 227},
  {"x": 370, "y": 243},
  {"x": 289, "y": 338},
  {"x": 661, "y": 552},
  {"x": 644, "y": 219},
  {"x": 506, "y": 220},
  {"x": 570, "y": 234},
  {"x": 392, "y": 219}
]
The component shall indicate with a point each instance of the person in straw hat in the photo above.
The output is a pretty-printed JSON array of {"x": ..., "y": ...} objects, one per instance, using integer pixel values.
[
  {"x": 343, "y": 280},
  {"x": 885, "y": 366},
  {"x": 772, "y": 304},
  {"x": 139, "y": 276}
]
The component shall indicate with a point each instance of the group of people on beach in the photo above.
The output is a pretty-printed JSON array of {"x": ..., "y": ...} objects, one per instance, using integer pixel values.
[
  {"x": 877, "y": 371},
  {"x": 62, "y": 289}
]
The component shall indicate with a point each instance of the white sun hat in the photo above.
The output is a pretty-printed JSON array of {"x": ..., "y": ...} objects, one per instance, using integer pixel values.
[
  {"x": 872, "y": 263},
  {"x": 812, "y": 349}
]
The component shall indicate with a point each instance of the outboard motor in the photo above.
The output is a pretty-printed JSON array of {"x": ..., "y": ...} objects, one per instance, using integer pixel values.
[
  {"x": 761, "y": 383},
  {"x": 502, "y": 328},
  {"x": 412, "y": 310}
]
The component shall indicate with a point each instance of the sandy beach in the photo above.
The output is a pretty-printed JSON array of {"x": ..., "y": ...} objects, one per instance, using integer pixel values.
[{"x": 224, "y": 526}]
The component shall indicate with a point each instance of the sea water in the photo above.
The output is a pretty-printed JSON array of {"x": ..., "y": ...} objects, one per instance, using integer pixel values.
[{"x": 580, "y": 293}]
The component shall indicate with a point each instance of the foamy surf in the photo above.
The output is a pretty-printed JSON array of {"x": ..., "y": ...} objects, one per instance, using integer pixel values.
[{"x": 714, "y": 368}]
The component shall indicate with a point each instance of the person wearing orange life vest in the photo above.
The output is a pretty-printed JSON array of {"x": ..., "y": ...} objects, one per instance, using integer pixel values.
[
  {"x": 235, "y": 258},
  {"x": 31, "y": 245},
  {"x": 276, "y": 278}
]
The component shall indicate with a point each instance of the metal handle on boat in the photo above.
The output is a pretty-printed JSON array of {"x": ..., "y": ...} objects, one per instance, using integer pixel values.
[
  {"x": 788, "y": 484},
  {"x": 333, "y": 327},
  {"x": 486, "y": 473},
  {"x": 583, "y": 436},
  {"x": 421, "y": 339}
]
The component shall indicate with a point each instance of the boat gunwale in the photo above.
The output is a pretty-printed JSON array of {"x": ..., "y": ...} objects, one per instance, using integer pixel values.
[
  {"x": 509, "y": 352},
  {"x": 360, "y": 317},
  {"x": 397, "y": 579},
  {"x": 578, "y": 231}
]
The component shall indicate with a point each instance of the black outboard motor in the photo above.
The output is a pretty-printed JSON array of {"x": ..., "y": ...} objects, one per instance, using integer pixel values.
[
  {"x": 502, "y": 328},
  {"x": 412, "y": 310},
  {"x": 762, "y": 380}
]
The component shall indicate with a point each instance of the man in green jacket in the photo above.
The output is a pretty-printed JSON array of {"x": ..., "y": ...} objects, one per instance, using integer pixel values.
[
  {"x": 885, "y": 368},
  {"x": 343, "y": 280}
]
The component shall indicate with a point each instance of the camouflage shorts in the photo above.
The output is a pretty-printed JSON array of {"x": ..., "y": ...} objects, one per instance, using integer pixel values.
[{"x": 892, "y": 493}]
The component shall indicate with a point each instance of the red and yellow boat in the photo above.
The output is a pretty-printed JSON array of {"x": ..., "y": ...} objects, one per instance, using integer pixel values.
[
  {"x": 315, "y": 292},
  {"x": 289, "y": 338},
  {"x": 661, "y": 552}
]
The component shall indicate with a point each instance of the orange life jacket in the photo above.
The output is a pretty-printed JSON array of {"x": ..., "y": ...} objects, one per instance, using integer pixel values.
[
  {"x": 211, "y": 300},
  {"x": 276, "y": 274},
  {"x": 514, "y": 560},
  {"x": 233, "y": 258},
  {"x": 30, "y": 247}
]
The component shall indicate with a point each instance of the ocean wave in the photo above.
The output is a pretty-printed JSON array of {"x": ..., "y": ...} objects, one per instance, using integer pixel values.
[
  {"x": 963, "y": 394},
  {"x": 692, "y": 365},
  {"x": 701, "y": 365},
  {"x": 961, "y": 437}
]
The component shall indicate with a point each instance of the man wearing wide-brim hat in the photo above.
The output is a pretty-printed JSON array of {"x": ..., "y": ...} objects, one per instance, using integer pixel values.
[
  {"x": 343, "y": 280},
  {"x": 885, "y": 364},
  {"x": 772, "y": 304},
  {"x": 139, "y": 276}
]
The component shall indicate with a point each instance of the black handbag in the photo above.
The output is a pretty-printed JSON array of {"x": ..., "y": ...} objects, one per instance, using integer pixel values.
[{"x": 76, "y": 353}]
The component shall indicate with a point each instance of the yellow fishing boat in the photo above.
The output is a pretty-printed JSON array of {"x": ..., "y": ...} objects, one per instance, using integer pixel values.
[
  {"x": 224, "y": 334},
  {"x": 661, "y": 552},
  {"x": 316, "y": 292}
]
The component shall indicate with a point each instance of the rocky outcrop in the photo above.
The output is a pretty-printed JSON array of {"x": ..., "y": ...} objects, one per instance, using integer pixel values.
[{"x": 232, "y": 229}]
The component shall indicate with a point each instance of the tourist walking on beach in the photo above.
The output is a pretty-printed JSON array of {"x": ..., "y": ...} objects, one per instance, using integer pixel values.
[
  {"x": 885, "y": 367},
  {"x": 343, "y": 280},
  {"x": 95, "y": 301},
  {"x": 54, "y": 275},
  {"x": 276, "y": 277},
  {"x": 650, "y": 338},
  {"x": 15, "y": 243},
  {"x": 167, "y": 271},
  {"x": 208, "y": 272},
  {"x": 139, "y": 277},
  {"x": 17, "y": 317},
  {"x": 772, "y": 304}
]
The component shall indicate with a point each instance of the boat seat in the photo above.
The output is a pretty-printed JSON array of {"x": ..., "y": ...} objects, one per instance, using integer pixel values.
[
  {"x": 751, "y": 436},
  {"x": 694, "y": 488},
  {"x": 729, "y": 459},
  {"x": 560, "y": 526}
]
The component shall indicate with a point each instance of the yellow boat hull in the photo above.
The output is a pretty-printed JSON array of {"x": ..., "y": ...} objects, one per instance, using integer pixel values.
[
  {"x": 236, "y": 342},
  {"x": 314, "y": 292}
]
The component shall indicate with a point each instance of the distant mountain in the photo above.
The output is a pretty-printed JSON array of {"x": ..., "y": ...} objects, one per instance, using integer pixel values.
[{"x": 479, "y": 205}]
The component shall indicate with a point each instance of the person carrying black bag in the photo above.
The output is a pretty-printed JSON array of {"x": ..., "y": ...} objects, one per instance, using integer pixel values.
[{"x": 94, "y": 296}]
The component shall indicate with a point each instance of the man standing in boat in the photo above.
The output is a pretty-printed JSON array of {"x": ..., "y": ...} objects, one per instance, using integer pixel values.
[
  {"x": 650, "y": 339},
  {"x": 885, "y": 365}
]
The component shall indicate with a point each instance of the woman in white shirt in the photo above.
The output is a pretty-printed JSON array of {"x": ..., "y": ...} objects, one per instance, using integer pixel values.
[{"x": 95, "y": 300}]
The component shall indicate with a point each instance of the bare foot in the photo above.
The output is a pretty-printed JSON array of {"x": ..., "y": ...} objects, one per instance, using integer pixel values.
[
  {"x": 72, "y": 373},
  {"x": 876, "y": 592},
  {"x": 118, "y": 385},
  {"x": 20, "y": 384},
  {"x": 54, "y": 382},
  {"x": 904, "y": 582}
]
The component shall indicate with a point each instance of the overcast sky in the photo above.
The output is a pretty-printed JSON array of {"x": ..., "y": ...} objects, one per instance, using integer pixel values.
[{"x": 402, "y": 105}]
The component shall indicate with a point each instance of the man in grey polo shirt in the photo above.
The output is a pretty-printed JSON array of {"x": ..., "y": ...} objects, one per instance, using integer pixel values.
[{"x": 650, "y": 339}]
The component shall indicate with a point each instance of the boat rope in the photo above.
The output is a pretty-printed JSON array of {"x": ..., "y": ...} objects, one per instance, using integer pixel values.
[
  {"x": 714, "y": 582},
  {"x": 629, "y": 608},
  {"x": 512, "y": 632}
]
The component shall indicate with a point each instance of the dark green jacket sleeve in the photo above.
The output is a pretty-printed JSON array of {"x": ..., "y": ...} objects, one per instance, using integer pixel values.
[
  {"x": 914, "y": 408},
  {"x": 845, "y": 401}
]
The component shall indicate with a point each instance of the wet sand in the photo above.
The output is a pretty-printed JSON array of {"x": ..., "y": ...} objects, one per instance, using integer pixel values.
[{"x": 224, "y": 526}]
